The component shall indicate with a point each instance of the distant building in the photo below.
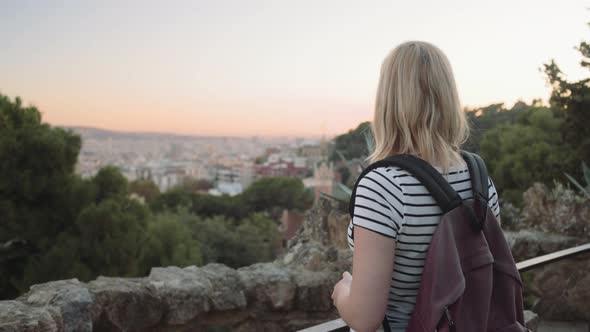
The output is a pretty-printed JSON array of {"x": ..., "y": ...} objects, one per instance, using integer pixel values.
[
  {"x": 314, "y": 153},
  {"x": 233, "y": 177},
  {"x": 231, "y": 189},
  {"x": 165, "y": 175},
  {"x": 322, "y": 180},
  {"x": 281, "y": 167}
]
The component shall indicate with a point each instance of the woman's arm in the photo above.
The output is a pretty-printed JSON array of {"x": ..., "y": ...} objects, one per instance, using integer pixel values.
[{"x": 362, "y": 300}]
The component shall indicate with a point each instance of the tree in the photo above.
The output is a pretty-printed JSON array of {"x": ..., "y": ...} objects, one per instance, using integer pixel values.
[
  {"x": 144, "y": 188},
  {"x": 112, "y": 234},
  {"x": 352, "y": 144},
  {"x": 572, "y": 99},
  {"x": 169, "y": 242},
  {"x": 171, "y": 199},
  {"x": 38, "y": 190},
  {"x": 484, "y": 119},
  {"x": 195, "y": 185},
  {"x": 530, "y": 150},
  {"x": 235, "y": 243},
  {"x": 110, "y": 183},
  {"x": 277, "y": 192}
]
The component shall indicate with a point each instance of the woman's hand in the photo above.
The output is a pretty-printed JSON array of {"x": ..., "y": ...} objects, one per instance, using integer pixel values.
[{"x": 342, "y": 288}]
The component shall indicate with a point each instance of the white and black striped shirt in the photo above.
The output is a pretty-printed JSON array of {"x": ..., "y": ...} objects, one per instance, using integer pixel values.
[{"x": 392, "y": 202}]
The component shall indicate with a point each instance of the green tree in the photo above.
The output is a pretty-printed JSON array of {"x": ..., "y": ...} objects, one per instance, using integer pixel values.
[
  {"x": 277, "y": 192},
  {"x": 528, "y": 151},
  {"x": 209, "y": 205},
  {"x": 484, "y": 119},
  {"x": 171, "y": 200},
  {"x": 233, "y": 242},
  {"x": 110, "y": 183},
  {"x": 572, "y": 99},
  {"x": 38, "y": 191},
  {"x": 144, "y": 188},
  {"x": 195, "y": 185},
  {"x": 169, "y": 242},
  {"x": 352, "y": 144},
  {"x": 112, "y": 234}
]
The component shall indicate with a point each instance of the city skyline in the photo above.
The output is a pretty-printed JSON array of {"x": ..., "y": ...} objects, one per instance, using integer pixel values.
[{"x": 266, "y": 68}]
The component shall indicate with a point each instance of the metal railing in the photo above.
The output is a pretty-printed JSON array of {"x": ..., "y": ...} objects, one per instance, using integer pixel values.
[{"x": 338, "y": 325}]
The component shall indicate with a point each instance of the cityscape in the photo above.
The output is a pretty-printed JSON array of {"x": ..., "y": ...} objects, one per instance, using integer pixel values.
[{"x": 230, "y": 164}]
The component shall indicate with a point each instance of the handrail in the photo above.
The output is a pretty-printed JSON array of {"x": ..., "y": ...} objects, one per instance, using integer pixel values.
[
  {"x": 552, "y": 257},
  {"x": 338, "y": 325}
]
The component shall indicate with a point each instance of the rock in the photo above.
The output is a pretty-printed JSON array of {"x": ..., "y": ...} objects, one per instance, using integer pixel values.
[
  {"x": 562, "y": 289},
  {"x": 267, "y": 285},
  {"x": 531, "y": 320},
  {"x": 337, "y": 224},
  {"x": 124, "y": 304},
  {"x": 526, "y": 244},
  {"x": 16, "y": 316},
  {"x": 184, "y": 292},
  {"x": 511, "y": 216},
  {"x": 70, "y": 296},
  {"x": 227, "y": 290},
  {"x": 314, "y": 256},
  {"x": 314, "y": 289},
  {"x": 326, "y": 223},
  {"x": 559, "y": 211}
]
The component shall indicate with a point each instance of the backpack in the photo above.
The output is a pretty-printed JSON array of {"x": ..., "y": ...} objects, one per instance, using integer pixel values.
[{"x": 470, "y": 281}]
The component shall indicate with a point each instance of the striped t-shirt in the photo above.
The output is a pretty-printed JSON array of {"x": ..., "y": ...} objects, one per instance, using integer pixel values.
[{"x": 392, "y": 202}]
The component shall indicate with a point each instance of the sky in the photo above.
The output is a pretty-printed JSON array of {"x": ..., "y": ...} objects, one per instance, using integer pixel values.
[{"x": 267, "y": 68}]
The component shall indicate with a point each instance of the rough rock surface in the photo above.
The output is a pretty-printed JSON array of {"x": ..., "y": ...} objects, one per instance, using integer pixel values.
[
  {"x": 561, "y": 290},
  {"x": 559, "y": 211},
  {"x": 70, "y": 297},
  {"x": 528, "y": 244}
]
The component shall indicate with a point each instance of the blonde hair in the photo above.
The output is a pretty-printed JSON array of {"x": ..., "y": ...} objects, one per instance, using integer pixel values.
[{"x": 417, "y": 108}]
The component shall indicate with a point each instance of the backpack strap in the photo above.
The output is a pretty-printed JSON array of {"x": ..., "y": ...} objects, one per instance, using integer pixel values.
[
  {"x": 479, "y": 182},
  {"x": 446, "y": 197},
  {"x": 479, "y": 174}
]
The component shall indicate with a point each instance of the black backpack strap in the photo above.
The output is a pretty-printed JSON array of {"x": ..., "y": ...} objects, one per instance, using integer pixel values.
[
  {"x": 479, "y": 174},
  {"x": 479, "y": 181},
  {"x": 445, "y": 196}
]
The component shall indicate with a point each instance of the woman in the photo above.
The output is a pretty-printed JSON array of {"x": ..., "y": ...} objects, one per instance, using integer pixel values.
[{"x": 417, "y": 111}]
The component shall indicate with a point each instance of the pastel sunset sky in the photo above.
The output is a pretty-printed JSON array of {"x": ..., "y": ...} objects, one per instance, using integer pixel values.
[{"x": 287, "y": 68}]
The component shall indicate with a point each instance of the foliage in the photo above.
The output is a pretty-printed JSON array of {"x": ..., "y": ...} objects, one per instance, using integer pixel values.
[
  {"x": 169, "y": 242},
  {"x": 36, "y": 167},
  {"x": 530, "y": 150},
  {"x": 353, "y": 144},
  {"x": 235, "y": 243},
  {"x": 171, "y": 200},
  {"x": 586, "y": 173},
  {"x": 144, "y": 188},
  {"x": 484, "y": 119},
  {"x": 572, "y": 99},
  {"x": 280, "y": 192},
  {"x": 111, "y": 236},
  {"x": 109, "y": 183},
  {"x": 195, "y": 185}
]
